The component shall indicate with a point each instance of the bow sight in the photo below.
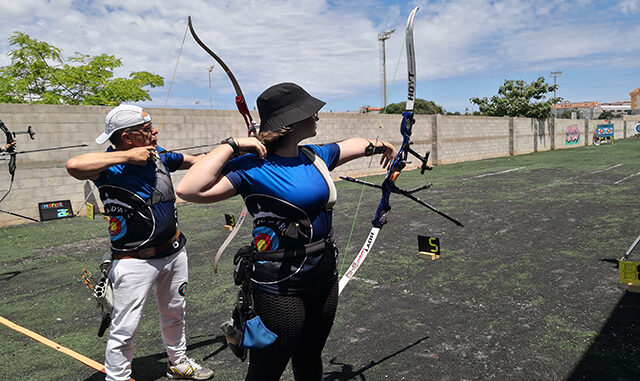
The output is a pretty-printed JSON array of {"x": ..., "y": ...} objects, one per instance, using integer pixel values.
[{"x": 29, "y": 131}]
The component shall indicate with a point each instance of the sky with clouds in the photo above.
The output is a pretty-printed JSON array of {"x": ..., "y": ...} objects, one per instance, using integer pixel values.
[{"x": 464, "y": 48}]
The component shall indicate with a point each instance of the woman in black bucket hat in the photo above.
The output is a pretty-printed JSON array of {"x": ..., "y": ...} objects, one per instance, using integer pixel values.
[{"x": 290, "y": 288}]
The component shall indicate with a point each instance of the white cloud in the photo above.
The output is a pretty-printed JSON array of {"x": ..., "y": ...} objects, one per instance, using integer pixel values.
[
  {"x": 629, "y": 6},
  {"x": 329, "y": 47}
]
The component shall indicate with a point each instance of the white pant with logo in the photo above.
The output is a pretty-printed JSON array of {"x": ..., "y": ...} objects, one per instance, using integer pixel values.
[{"x": 132, "y": 281}]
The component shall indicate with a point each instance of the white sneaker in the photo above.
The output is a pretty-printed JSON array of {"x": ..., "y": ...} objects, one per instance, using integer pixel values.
[{"x": 188, "y": 370}]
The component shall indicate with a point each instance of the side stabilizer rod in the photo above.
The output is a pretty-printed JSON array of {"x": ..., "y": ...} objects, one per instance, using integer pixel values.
[{"x": 408, "y": 194}]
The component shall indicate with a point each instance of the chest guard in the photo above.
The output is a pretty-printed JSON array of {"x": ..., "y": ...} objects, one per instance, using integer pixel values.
[{"x": 132, "y": 223}]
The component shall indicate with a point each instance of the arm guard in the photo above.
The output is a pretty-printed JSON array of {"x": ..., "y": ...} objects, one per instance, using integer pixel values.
[{"x": 373, "y": 150}]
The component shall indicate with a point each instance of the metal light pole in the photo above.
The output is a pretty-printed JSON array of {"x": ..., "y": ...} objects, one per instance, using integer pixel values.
[
  {"x": 210, "y": 93},
  {"x": 382, "y": 37},
  {"x": 555, "y": 74}
]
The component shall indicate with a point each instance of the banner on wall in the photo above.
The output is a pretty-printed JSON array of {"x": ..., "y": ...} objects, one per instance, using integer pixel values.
[
  {"x": 55, "y": 210},
  {"x": 603, "y": 133},
  {"x": 572, "y": 135}
]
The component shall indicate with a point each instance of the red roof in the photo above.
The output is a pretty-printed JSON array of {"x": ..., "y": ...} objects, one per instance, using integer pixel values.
[{"x": 576, "y": 105}]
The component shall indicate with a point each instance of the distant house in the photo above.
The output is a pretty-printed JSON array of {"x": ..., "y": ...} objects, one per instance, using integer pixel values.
[
  {"x": 587, "y": 110},
  {"x": 617, "y": 108},
  {"x": 592, "y": 110},
  {"x": 635, "y": 101},
  {"x": 367, "y": 109}
]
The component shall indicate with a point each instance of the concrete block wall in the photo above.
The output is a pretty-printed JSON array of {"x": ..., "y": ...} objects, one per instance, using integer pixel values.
[
  {"x": 569, "y": 133},
  {"x": 630, "y": 122},
  {"x": 619, "y": 131},
  {"x": 530, "y": 135},
  {"x": 591, "y": 127},
  {"x": 630, "y": 128},
  {"x": 463, "y": 138},
  {"x": 42, "y": 177}
]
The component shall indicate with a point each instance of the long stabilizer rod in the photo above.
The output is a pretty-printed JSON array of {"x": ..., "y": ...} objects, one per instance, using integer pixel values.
[{"x": 633, "y": 246}]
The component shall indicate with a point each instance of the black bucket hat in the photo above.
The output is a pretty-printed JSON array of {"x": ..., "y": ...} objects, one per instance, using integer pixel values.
[{"x": 285, "y": 104}]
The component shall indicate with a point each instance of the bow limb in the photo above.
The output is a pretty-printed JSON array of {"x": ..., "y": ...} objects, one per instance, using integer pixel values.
[{"x": 241, "y": 103}]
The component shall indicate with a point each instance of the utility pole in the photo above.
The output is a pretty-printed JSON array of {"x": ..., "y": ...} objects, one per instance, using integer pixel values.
[
  {"x": 383, "y": 67},
  {"x": 210, "y": 93},
  {"x": 555, "y": 75}
]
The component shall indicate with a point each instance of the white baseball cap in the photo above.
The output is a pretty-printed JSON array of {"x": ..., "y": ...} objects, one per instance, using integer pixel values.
[{"x": 121, "y": 117}]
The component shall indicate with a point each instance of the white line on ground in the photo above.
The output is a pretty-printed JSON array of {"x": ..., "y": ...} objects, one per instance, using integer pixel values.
[
  {"x": 606, "y": 169},
  {"x": 587, "y": 174},
  {"x": 498, "y": 173},
  {"x": 628, "y": 177}
]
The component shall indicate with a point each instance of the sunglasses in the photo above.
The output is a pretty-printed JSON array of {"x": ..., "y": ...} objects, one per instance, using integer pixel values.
[{"x": 146, "y": 129}]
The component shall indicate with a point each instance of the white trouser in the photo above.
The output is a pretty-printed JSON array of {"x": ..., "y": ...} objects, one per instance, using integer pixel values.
[{"x": 132, "y": 280}]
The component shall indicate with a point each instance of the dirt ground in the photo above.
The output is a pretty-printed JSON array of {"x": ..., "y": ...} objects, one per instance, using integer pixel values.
[{"x": 528, "y": 289}]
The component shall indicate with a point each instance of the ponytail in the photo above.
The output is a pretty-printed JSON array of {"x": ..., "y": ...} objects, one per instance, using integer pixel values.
[{"x": 273, "y": 139}]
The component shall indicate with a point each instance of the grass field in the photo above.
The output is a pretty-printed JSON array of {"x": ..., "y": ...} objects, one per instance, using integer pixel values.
[{"x": 527, "y": 289}]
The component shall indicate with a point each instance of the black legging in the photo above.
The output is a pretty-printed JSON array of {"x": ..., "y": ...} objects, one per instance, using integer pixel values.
[{"x": 302, "y": 323}]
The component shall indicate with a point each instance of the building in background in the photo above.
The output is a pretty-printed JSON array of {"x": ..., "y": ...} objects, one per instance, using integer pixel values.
[
  {"x": 373, "y": 110},
  {"x": 635, "y": 101},
  {"x": 617, "y": 108},
  {"x": 592, "y": 110},
  {"x": 584, "y": 110}
]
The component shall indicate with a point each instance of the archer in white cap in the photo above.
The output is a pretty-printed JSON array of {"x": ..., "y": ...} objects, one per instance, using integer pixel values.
[
  {"x": 122, "y": 117},
  {"x": 147, "y": 248}
]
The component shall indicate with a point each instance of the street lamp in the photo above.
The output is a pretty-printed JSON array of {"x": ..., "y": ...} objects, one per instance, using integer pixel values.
[
  {"x": 210, "y": 93},
  {"x": 382, "y": 37},
  {"x": 555, "y": 74}
]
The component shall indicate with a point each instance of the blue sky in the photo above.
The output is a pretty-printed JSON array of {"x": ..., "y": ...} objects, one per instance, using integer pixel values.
[{"x": 464, "y": 48}]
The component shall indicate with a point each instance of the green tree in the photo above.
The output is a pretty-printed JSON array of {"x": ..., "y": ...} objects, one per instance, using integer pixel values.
[
  {"x": 520, "y": 99},
  {"x": 566, "y": 114},
  {"x": 606, "y": 115},
  {"x": 420, "y": 106},
  {"x": 39, "y": 74}
]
